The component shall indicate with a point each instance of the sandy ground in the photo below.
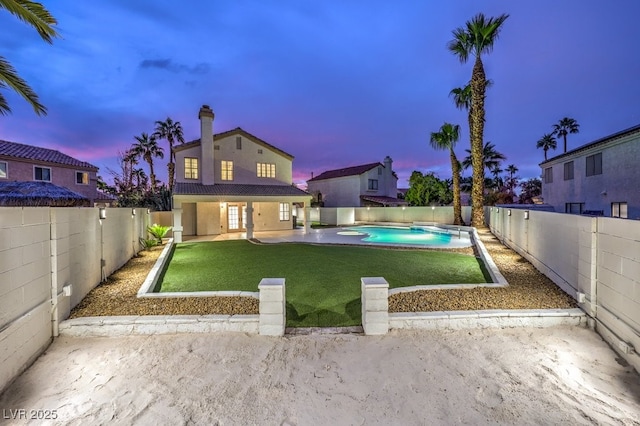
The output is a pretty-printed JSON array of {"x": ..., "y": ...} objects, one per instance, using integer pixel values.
[{"x": 561, "y": 375}]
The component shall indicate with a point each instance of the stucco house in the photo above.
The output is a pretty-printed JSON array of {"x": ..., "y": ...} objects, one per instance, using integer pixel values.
[
  {"x": 599, "y": 178},
  {"x": 233, "y": 182},
  {"x": 28, "y": 163},
  {"x": 373, "y": 184}
]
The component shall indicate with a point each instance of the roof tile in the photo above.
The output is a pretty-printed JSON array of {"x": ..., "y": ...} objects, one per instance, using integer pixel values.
[{"x": 30, "y": 152}]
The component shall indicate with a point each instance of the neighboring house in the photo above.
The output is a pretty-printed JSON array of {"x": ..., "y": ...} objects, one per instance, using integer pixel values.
[
  {"x": 232, "y": 182},
  {"x": 27, "y": 163},
  {"x": 599, "y": 178},
  {"x": 39, "y": 194},
  {"x": 373, "y": 184}
]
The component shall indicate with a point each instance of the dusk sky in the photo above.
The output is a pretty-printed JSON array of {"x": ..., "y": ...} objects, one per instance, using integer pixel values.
[{"x": 334, "y": 83}]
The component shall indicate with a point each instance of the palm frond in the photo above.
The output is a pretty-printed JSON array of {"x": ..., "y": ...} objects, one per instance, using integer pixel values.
[
  {"x": 9, "y": 78},
  {"x": 35, "y": 15}
]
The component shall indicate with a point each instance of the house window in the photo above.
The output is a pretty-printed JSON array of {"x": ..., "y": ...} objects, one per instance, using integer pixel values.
[
  {"x": 3, "y": 169},
  {"x": 227, "y": 170},
  {"x": 259, "y": 151},
  {"x": 619, "y": 210},
  {"x": 548, "y": 175},
  {"x": 190, "y": 168},
  {"x": 42, "y": 173},
  {"x": 574, "y": 208},
  {"x": 216, "y": 147},
  {"x": 266, "y": 170},
  {"x": 373, "y": 184},
  {"x": 82, "y": 178},
  {"x": 285, "y": 211},
  {"x": 238, "y": 142},
  {"x": 594, "y": 164},
  {"x": 568, "y": 170}
]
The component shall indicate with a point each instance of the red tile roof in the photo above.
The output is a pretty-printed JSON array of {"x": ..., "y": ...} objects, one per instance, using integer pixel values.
[
  {"x": 36, "y": 153},
  {"x": 385, "y": 201},
  {"x": 348, "y": 171}
]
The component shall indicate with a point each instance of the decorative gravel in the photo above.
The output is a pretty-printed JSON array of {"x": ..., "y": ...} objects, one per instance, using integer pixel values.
[{"x": 528, "y": 289}]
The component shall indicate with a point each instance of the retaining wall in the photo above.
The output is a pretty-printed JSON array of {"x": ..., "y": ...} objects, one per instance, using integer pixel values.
[{"x": 50, "y": 258}]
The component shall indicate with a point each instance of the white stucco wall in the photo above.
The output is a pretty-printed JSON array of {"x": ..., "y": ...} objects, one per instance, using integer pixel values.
[
  {"x": 617, "y": 183},
  {"x": 338, "y": 192}
]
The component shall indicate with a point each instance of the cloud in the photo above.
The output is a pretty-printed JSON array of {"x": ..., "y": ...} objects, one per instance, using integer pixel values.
[{"x": 169, "y": 65}]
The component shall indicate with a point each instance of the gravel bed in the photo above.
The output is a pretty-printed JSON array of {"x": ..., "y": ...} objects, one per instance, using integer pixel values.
[{"x": 528, "y": 289}]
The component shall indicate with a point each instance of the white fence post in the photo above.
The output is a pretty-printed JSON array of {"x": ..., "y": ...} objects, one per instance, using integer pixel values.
[
  {"x": 273, "y": 314},
  {"x": 375, "y": 305}
]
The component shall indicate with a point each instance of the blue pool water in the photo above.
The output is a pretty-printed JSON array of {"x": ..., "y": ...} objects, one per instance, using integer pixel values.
[{"x": 398, "y": 235}]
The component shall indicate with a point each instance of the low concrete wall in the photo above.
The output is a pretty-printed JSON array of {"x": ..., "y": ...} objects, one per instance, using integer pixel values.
[
  {"x": 350, "y": 215},
  {"x": 50, "y": 258},
  {"x": 594, "y": 259}
]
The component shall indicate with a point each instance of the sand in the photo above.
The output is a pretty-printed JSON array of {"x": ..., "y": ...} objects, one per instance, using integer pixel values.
[{"x": 558, "y": 375}]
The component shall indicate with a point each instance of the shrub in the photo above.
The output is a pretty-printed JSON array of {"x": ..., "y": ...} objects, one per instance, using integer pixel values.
[
  {"x": 158, "y": 231},
  {"x": 148, "y": 244}
]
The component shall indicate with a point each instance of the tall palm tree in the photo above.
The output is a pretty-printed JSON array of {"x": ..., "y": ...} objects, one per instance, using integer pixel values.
[
  {"x": 35, "y": 15},
  {"x": 565, "y": 126},
  {"x": 172, "y": 132},
  {"x": 129, "y": 159},
  {"x": 446, "y": 139},
  {"x": 512, "y": 170},
  {"x": 547, "y": 142},
  {"x": 147, "y": 148},
  {"x": 490, "y": 157},
  {"x": 475, "y": 38},
  {"x": 497, "y": 182}
]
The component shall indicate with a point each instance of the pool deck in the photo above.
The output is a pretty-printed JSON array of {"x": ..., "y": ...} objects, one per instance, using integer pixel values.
[{"x": 319, "y": 236}]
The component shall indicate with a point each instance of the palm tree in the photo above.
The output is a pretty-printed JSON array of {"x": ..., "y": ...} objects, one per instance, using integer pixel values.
[
  {"x": 476, "y": 38},
  {"x": 565, "y": 126},
  {"x": 172, "y": 132},
  {"x": 512, "y": 170},
  {"x": 129, "y": 159},
  {"x": 147, "y": 148},
  {"x": 490, "y": 157},
  {"x": 547, "y": 142},
  {"x": 446, "y": 139},
  {"x": 497, "y": 182},
  {"x": 35, "y": 15}
]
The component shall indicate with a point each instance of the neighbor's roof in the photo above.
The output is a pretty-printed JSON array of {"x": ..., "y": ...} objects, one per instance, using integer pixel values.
[
  {"x": 595, "y": 143},
  {"x": 385, "y": 201},
  {"x": 237, "y": 130},
  {"x": 348, "y": 171},
  {"x": 226, "y": 189},
  {"x": 36, "y": 153},
  {"x": 38, "y": 194}
]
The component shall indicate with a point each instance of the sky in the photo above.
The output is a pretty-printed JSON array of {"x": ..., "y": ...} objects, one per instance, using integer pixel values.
[{"x": 333, "y": 83}]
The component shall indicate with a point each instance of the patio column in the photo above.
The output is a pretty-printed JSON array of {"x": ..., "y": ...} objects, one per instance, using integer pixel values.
[
  {"x": 307, "y": 219},
  {"x": 177, "y": 222},
  {"x": 249, "y": 223}
]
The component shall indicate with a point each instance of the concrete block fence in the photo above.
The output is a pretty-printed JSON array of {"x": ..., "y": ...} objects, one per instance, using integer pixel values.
[{"x": 50, "y": 258}]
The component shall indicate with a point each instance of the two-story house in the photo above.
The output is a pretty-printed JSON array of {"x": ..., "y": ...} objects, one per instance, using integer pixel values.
[
  {"x": 27, "y": 163},
  {"x": 232, "y": 182},
  {"x": 373, "y": 184},
  {"x": 601, "y": 177}
]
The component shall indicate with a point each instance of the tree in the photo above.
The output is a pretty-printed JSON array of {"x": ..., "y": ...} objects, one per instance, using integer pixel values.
[
  {"x": 530, "y": 188},
  {"x": 490, "y": 157},
  {"x": 35, "y": 15},
  {"x": 147, "y": 148},
  {"x": 512, "y": 181},
  {"x": 565, "y": 126},
  {"x": 547, "y": 142},
  {"x": 477, "y": 37},
  {"x": 497, "y": 182},
  {"x": 172, "y": 132},
  {"x": 446, "y": 139},
  {"x": 427, "y": 190}
]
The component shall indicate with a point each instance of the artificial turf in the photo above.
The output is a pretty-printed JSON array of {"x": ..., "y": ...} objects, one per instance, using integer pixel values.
[{"x": 322, "y": 282}]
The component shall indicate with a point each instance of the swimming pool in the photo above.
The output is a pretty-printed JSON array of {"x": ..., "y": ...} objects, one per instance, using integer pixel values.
[{"x": 428, "y": 236}]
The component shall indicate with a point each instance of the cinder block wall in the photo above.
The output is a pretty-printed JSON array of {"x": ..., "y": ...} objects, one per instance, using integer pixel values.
[
  {"x": 597, "y": 257},
  {"x": 44, "y": 249}
]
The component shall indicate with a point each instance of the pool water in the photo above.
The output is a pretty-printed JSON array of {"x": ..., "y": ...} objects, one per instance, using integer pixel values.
[{"x": 399, "y": 235}]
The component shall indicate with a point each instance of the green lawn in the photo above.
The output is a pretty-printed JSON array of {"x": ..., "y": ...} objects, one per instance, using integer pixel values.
[{"x": 322, "y": 282}]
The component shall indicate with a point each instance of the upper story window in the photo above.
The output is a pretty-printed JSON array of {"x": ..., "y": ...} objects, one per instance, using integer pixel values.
[
  {"x": 82, "y": 178},
  {"x": 373, "y": 184},
  {"x": 226, "y": 170},
  {"x": 3, "y": 169},
  {"x": 568, "y": 170},
  {"x": 266, "y": 170},
  {"x": 594, "y": 164},
  {"x": 285, "y": 211},
  {"x": 42, "y": 173},
  {"x": 216, "y": 147},
  {"x": 619, "y": 210},
  {"x": 190, "y": 168},
  {"x": 548, "y": 175},
  {"x": 238, "y": 142},
  {"x": 259, "y": 151}
]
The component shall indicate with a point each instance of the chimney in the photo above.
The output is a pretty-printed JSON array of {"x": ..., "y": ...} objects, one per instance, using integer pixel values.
[
  {"x": 390, "y": 184},
  {"x": 206, "y": 116}
]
